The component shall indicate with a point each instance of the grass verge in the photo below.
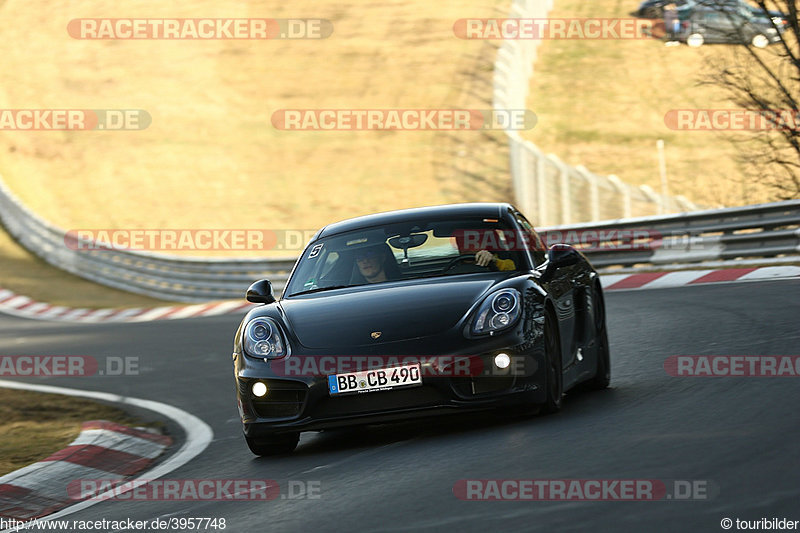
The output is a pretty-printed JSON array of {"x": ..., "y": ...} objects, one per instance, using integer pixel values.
[
  {"x": 210, "y": 158},
  {"x": 35, "y": 425},
  {"x": 601, "y": 103}
]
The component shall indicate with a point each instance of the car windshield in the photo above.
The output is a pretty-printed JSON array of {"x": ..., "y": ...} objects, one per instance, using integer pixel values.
[{"x": 418, "y": 249}]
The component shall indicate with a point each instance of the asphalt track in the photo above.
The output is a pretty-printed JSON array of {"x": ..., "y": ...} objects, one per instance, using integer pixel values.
[{"x": 738, "y": 435}]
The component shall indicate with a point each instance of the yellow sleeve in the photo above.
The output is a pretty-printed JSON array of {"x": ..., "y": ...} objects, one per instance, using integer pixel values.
[{"x": 504, "y": 265}]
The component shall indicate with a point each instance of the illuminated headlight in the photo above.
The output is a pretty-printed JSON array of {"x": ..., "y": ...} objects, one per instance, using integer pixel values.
[
  {"x": 499, "y": 311},
  {"x": 263, "y": 338}
]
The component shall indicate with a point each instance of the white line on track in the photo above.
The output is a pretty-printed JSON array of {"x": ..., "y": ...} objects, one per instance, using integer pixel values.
[{"x": 198, "y": 436}]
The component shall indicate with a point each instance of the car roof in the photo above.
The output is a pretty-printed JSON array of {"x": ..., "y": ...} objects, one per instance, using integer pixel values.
[{"x": 483, "y": 209}]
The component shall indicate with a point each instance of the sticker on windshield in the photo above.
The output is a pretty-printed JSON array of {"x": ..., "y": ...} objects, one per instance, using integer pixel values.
[{"x": 315, "y": 251}]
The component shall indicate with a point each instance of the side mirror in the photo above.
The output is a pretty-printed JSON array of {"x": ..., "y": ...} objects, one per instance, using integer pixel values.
[
  {"x": 260, "y": 292},
  {"x": 563, "y": 255},
  {"x": 560, "y": 256}
]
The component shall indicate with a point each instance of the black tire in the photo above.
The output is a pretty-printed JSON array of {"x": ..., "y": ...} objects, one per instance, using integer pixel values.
[
  {"x": 554, "y": 375},
  {"x": 760, "y": 41},
  {"x": 275, "y": 445},
  {"x": 602, "y": 376},
  {"x": 695, "y": 40}
]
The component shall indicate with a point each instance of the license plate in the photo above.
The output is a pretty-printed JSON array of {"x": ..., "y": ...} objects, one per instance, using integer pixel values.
[{"x": 378, "y": 379}]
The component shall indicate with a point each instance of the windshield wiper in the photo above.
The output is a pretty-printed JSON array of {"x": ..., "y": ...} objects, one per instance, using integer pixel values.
[{"x": 320, "y": 289}]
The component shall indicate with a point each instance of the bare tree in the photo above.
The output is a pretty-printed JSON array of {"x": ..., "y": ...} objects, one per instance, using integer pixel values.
[{"x": 767, "y": 81}]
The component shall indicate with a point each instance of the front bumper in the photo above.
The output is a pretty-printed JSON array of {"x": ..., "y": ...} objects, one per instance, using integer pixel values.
[{"x": 299, "y": 402}]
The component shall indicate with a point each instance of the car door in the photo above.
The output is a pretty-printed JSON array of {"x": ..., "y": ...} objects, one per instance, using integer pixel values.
[
  {"x": 729, "y": 27},
  {"x": 560, "y": 287},
  {"x": 566, "y": 291}
]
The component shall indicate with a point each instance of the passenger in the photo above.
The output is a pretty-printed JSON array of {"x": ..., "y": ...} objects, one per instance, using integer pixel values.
[{"x": 485, "y": 258}]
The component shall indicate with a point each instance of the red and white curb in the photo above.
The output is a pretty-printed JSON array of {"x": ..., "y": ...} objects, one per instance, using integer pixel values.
[
  {"x": 103, "y": 450},
  {"x": 197, "y": 436},
  {"x": 22, "y": 306},
  {"x": 681, "y": 278}
]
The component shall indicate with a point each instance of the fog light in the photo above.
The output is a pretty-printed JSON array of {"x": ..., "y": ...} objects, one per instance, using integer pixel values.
[
  {"x": 502, "y": 360},
  {"x": 259, "y": 389}
]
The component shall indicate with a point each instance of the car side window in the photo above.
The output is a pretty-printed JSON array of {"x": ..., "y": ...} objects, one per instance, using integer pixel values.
[{"x": 536, "y": 247}]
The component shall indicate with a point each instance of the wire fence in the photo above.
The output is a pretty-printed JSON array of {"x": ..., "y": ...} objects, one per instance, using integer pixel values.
[{"x": 548, "y": 190}]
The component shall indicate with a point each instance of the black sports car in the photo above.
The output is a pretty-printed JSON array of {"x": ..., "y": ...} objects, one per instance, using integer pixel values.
[{"x": 418, "y": 312}]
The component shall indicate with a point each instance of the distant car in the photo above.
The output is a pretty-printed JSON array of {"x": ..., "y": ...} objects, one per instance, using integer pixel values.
[
  {"x": 712, "y": 25},
  {"x": 654, "y": 9},
  {"x": 433, "y": 332}
]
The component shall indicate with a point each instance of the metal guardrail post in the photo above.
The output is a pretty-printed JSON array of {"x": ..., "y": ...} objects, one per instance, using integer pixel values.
[
  {"x": 625, "y": 195},
  {"x": 541, "y": 184},
  {"x": 563, "y": 188}
]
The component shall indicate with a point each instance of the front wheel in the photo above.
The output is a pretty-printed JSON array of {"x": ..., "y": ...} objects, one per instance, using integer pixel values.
[
  {"x": 274, "y": 445},
  {"x": 602, "y": 376},
  {"x": 760, "y": 41}
]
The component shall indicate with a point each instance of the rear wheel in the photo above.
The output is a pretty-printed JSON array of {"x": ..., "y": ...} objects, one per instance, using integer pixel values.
[
  {"x": 602, "y": 375},
  {"x": 554, "y": 386},
  {"x": 274, "y": 445}
]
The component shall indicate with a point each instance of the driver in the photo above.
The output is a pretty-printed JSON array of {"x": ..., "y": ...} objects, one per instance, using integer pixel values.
[{"x": 374, "y": 264}]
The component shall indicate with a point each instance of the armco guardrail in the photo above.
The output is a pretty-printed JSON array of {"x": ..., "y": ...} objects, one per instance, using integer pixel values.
[
  {"x": 550, "y": 190},
  {"x": 162, "y": 276},
  {"x": 765, "y": 230}
]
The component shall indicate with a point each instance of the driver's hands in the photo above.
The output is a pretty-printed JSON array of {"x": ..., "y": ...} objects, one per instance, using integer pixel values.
[{"x": 483, "y": 258}]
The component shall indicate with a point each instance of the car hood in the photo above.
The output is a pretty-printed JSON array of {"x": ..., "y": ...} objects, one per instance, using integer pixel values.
[{"x": 400, "y": 311}]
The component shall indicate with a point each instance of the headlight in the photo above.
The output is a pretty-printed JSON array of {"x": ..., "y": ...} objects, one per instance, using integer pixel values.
[
  {"x": 499, "y": 311},
  {"x": 263, "y": 338}
]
